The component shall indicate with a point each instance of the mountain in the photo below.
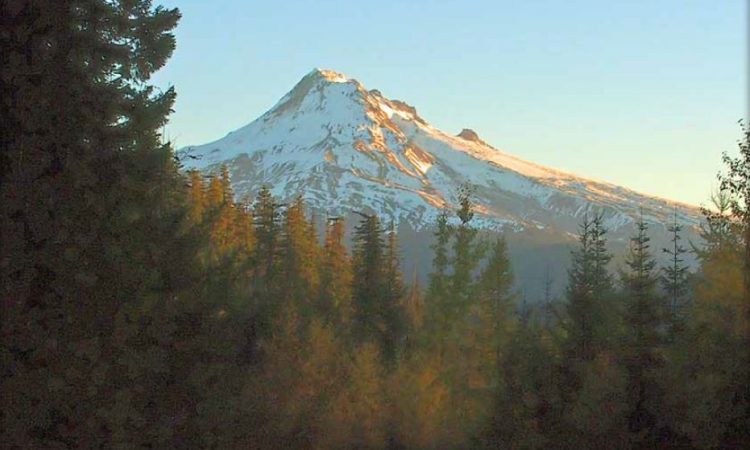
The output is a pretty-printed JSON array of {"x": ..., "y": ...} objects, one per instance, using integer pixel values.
[{"x": 345, "y": 149}]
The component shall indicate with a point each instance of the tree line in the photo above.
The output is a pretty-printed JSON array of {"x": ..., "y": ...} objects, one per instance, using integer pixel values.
[{"x": 146, "y": 306}]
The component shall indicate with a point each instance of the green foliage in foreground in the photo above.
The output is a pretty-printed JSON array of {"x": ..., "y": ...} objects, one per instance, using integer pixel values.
[{"x": 145, "y": 307}]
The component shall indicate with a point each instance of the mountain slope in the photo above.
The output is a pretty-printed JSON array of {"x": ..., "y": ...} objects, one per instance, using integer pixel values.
[{"x": 344, "y": 148}]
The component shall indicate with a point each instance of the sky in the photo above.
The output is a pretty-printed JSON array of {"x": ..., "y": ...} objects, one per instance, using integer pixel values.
[{"x": 643, "y": 94}]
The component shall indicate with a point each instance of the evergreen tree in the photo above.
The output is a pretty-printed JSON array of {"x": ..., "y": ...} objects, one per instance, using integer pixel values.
[
  {"x": 266, "y": 217},
  {"x": 644, "y": 340},
  {"x": 377, "y": 314},
  {"x": 197, "y": 197},
  {"x": 334, "y": 302},
  {"x": 393, "y": 295},
  {"x": 439, "y": 276},
  {"x": 601, "y": 279},
  {"x": 467, "y": 254},
  {"x": 299, "y": 258},
  {"x": 414, "y": 312},
  {"x": 674, "y": 275},
  {"x": 99, "y": 259},
  {"x": 495, "y": 292},
  {"x": 589, "y": 286}
]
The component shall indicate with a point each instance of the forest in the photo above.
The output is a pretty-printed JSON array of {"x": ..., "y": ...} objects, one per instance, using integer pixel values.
[{"x": 144, "y": 306}]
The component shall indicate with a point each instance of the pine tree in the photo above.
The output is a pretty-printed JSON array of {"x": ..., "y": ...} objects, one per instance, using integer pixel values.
[
  {"x": 377, "y": 289},
  {"x": 334, "y": 303},
  {"x": 589, "y": 285},
  {"x": 299, "y": 258},
  {"x": 495, "y": 286},
  {"x": 367, "y": 288},
  {"x": 674, "y": 275},
  {"x": 466, "y": 256},
  {"x": 99, "y": 259},
  {"x": 393, "y": 294},
  {"x": 588, "y": 320},
  {"x": 644, "y": 320},
  {"x": 601, "y": 279},
  {"x": 197, "y": 197},
  {"x": 439, "y": 276},
  {"x": 414, "y": 307},
  {"x": 266, "y": 217}
]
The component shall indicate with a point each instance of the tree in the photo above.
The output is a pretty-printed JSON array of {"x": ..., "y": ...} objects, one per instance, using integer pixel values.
[
  {"x": 98, "y": 258},
  {"x": 368, "y": 279},
  {"x": 644, "y": 320},
  {"x": 438, "y": 277},
  {"x": 393, "y": 294},
  {"x": 495, "y": 294},
  {"x": 197, "y": 197},
  {"x": 709, "y": 400},
  {"x": 674, "y": 275},
  {"x": 588, "y": 315},
  {"x": 299, "y": 258},
  {"x": 266, "y": 217},
  {"x": 335, "y": 303},
  {"x": 736, "y": 184},
  {"x": 466, "y": 257}
]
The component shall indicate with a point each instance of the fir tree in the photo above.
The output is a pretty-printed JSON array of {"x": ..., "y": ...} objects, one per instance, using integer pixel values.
[
  {"x": 334, "y": 302},
  {"x": 589, "y": 286},
  {"x": 266, "y": 217},
  {"x": 495, "y": 284},
  {"x": 467, "y": 254},
  {"x": 439, "y": 276},
  {"x": 99, "y": 261},
  {"x": 299, "y": 257},
  {"x": 644, "y": 314},
  {"x": 197, "y": 197},
  {"x": 674, "y": 275},
  {"x": 368, "y": 279},
  {"x": 393, "y": 295}
]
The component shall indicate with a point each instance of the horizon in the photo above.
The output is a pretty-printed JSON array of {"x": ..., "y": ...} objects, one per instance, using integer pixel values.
[{"x": 650, "y": 104}]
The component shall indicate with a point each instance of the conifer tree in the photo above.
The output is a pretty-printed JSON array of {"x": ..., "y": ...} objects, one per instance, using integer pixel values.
[
  {"x": 413, "y": 307},
  {"x": 674, "y": 275},
  {"x": 197, "y": 197},
  {"x": 266, "y": 217},
  {"x": 377, "y": 315},
  {"x": 467, "y": 254},
  {"x": 99, "y": 260},
  {"x": 334, "y": 301},
  {"x": 439, "y": 276},
  {"x": 393, "y": 295},
  {"x": 644, "y": 320},
  {"x": 589, "y": 283},
  {"x": 601, "y": 279},
  {"x": 368, "y": 292},
  {"x": 495, "y": 285},
  {"x": 299, "y": 258}
]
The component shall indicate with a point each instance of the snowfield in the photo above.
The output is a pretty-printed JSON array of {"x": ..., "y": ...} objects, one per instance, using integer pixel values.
[{"x": 344, "y": 148}]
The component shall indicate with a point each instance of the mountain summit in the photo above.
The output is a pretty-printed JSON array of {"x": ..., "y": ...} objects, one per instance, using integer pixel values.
[{"x": 345, "y": 148}]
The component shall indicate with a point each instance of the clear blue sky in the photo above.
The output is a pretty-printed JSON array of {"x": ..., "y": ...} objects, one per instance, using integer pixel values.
[{"x": 645, "y": 94}]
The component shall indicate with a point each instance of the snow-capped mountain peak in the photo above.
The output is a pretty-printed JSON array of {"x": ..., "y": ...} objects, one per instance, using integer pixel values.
[{"x": 344, "y": 148}]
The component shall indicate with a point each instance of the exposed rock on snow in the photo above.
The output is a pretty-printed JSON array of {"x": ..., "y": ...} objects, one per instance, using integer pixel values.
[{"x": 344, "y": 148}]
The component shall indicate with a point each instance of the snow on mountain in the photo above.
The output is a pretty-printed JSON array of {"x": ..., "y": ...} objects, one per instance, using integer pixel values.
[{"x": 344, "y": 148}]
